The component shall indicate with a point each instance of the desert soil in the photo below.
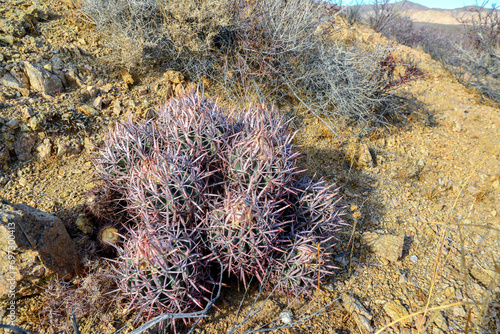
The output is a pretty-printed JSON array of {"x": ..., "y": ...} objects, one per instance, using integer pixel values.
[{"x": 433, "y": 182}]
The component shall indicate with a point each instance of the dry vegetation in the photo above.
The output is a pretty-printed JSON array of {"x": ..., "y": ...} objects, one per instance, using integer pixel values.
[{"x": 364, "y": 120}]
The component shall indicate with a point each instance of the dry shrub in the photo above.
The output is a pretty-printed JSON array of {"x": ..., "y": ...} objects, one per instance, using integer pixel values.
[
  {"x": 266, "y": 50},
  {"x": 89, "y": 297},
  {"x": 158, "y": 28}
]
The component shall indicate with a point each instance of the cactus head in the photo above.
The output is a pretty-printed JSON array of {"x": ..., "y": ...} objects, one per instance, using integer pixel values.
[{"x": 159, "y": 270}]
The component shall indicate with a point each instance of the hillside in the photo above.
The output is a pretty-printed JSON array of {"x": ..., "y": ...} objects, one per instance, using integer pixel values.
[
  {"x": 422, "y": 198},
  {"x": 423, "y": 14}
]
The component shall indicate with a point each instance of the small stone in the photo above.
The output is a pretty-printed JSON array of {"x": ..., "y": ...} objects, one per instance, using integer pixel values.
[
  {"x": 8, "y": 80},
  {"x": 97, "y": 104},
  {"x": 42, "y": 80},
  {"x": 402, "y": 279},
  {"x": 27, "y": 113},
  {"x": 457, "y": 127},
  {"x": 36, "y": 123},
  {"x": 414, "y": 258},
  {"x": 45, "y": 149},
  {"x": 127, "y": 77},
  {"x": 366, "y": 156},
  {"x": 396, "y": 311},
  {"x": 459, "y": 311},
  {"x": 4, "y": 155},
  {"x": 387, "y": 246},
  {"x": 174, "y": 76},
  {"x": 107, "y": 88},
  {"x": 12, "y": 27},
  {"x": 68, "y": 147},
  {"x": 286, "y": 318},
  {"x": 13, "y": 123},
  {"x": 72, "y": 78},
  {"x": 440, "y": 321},
  {"x": 23, "y": 182},
  {"x": 92, "y": 91},
  {"x": 41, "y": 247},
  {"x": 351, "y": 304},
  {"x": 57, "y": 63},
  {"x": 88, "y": 110},
  {"x": 84, "y": 224},
  {"x": 117, "y": 108},
  {"x": 7, "y": 39},
  {"x": 23, "y": 146},
  {"x": 360, "y": 314}
]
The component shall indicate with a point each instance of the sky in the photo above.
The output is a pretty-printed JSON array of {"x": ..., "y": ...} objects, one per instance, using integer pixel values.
[{"x": 445, "y": 4}]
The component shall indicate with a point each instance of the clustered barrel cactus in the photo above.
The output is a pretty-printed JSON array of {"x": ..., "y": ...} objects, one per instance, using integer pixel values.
[{"x": 200, "y": 187}]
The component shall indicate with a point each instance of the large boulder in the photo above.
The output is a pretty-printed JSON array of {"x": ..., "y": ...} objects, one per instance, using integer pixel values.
[{"x": 34, "y": 246}]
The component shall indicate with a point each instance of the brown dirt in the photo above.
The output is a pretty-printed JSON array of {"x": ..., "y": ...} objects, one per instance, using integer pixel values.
[{"x": 438, "y": 185}]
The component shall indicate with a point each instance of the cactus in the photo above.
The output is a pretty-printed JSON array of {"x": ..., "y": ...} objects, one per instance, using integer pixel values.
[
  {"x": 301, "y": 264},
  {"x": 171, "y": 190},
  {"x": 160, "y": 269},
  {"x": 198, "y": 184},
  {"x": 242, "y": 231}
]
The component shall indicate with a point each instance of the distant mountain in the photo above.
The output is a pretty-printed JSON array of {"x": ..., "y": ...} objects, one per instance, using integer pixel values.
[{"x": 423, "y": 14}]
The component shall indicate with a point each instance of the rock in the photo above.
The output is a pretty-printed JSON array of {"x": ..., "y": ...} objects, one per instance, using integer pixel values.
[
  {"x": 92, "y": 91},
  {"x": 13, "y": 123},
  {"x": 68, "y": 147},
  {"x": 396, "y": 311},
  {"x": 36, "y": 11},
  {"x": 12, "y": 27},
  {"x": 360, "y": 314},
  {"x": 457, "y": 127},
  {"x": 107, "y": 88},
  {"x": 57, "y": 63},
  {"x": 366, "y": 157},
  {"x": 88, "y": 110},
  {"x": 84, "y": 224},
  {"x": 117, "y": 108},
  {"x": 97, "y": 104},
  {"x": 35, "y": 123},
  {"x": 35, "y": 245},
  {"x": 24, "y": 145},
  {"x": 174, "y": 76},
  {"x": 27, "y": 113},
  {"x": 45, "y": 149},
  {"x": 8, "y": 80},
  {"x": 23, "y": 181},
  {"x": 42, "y": 80},
  {"x": 73, "y": 79},
  {"x": 387, "y": 246},
  {"x": 7, "y": 39},
  {"x": 440, "y": 321},
  {"x": 4, "y": 155},
  {"x": 127, "y": 77}
]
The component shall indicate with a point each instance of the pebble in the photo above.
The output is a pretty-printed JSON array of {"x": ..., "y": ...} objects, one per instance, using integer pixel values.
[
  {"x": 414, "y": 258},
  {"x": 387, "y": 246},
  {"x": 13, "y": 123},
  {"x": 88, "y": 110},
  {"x": 396, "y": 311},
  {"x": 286, "y": 317},
  {"x": 23, "y": 182}
]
